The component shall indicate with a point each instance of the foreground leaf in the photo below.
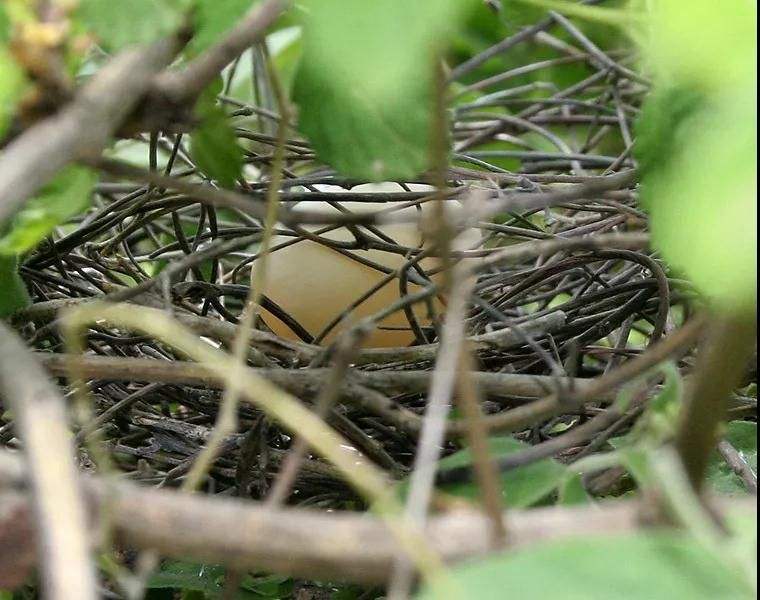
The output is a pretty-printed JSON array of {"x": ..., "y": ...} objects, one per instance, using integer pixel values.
[
  {"x": 700, "y": 125},
  {"x": 521, "y": 487},
  {"x": 12, "y": 83},
  {"x": 366, "y": 82},
  {"x": 65, "y": 196},
  {"x": 13, "y": 294},
  {"x": 634, "y": 567},
  {"x": 119, "y": 24},
  {"x": 212, "y": 18}
]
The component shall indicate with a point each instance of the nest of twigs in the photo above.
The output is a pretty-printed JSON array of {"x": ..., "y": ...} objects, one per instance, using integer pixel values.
[{"x": 568, "y": 306}]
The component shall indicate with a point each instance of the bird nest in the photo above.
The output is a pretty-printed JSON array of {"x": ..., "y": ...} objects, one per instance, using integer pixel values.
[{"x": 557, "y": 289}]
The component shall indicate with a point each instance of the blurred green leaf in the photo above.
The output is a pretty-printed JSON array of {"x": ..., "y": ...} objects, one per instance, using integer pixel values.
[
  {"x": 120, "y": 24},
  {"x": 572, "y": 491},
  {"x": 13, "y": 295},
  {"x": 268, "y": 586},
  {"x": 700, "y": 126},
  {"x": 520, "y": 487},
  {"x": 646, "y": 566},
  {"x": 712, "y": 44},
  {"x": 208, "y": 579},
  {"x": 609, "y": 16},
  {"x": 665, "y": 125},
  {"x": 286, "y": 48},
  {"x": 365, "y": 83},
  {"x": 212, "y": 18},
  {"x": 5, "y": 25},
  {"x": 213, "y": 145},
  {"x": 742, "y": 435},
  {"x": 742, "y": 528},
  {"x": 12, "y": 83},
  {"x": 65, "y": 196},
  {"x": 706, "y": 192}
]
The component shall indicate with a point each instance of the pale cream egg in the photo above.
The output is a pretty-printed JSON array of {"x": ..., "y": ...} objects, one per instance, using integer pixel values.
[{"x": 315, "y": 284}]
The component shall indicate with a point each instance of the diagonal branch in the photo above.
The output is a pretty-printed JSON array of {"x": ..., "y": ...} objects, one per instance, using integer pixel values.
[{"x": 83, "y": 128}]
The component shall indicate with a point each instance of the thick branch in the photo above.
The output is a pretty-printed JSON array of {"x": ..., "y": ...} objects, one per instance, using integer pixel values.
[
  {"x": 58, "y": 506},
  {"x": 312, "y": 544},
  {"x": 306, "y": 382}
]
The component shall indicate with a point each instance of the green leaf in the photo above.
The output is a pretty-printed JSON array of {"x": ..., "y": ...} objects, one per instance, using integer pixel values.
[
  {"x": 188, "y": 576},
  {"x": 713, "y": 44},
  {"x": 120, "y": 24},
  {"x": 572, "y": 491},
  {"x": 742, "y": 528},
  {"x": 742, "y": 435},
  {"x": 65, "y": 196},
  {"x": 366, "y": 81},
  {"x": 665, "y": 125},
  {"x": 5, "y": 26},
  {"x": 707, "y": 191},
  {"x": 12, "y": 84},
  {"x": 215, "y": 149},
  {"x": 610, "y": 16},
  {"x": 705, "y": 185},
  {"x": 268, "y": 586},
  {"x": 212, "y": 18},
  {"x": 644, "y": 566},
  {"x": 520, "y": 487},
  {"x": 13, "y": 294}
]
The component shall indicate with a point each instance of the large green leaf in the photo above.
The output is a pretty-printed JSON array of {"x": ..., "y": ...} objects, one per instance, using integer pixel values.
[
  {"x": 13, "y": 294},
  {"x": 212, "y": 18},
  {"x": 699, "y": 128},
  {"x": 712, "y": 43},
  {"x": 365, "y": 84},
  {"x": 742, "y": 435},
  {"x": 645, "y": 566},
  {"x": 5, "y": 25},
  {"x": 118, "y": 24},
  {"x": 12, "y": 83},
  {"x": 520, "y": 487},
  {"x": 65, "y": 196},
  {"x": 702, "y": 202}
]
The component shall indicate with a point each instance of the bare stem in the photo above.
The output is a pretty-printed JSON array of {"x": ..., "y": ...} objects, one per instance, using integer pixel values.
[{"x": 720, "y": 366}]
